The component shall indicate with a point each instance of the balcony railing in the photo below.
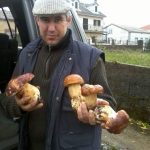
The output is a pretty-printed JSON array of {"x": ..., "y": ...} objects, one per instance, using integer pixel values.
[{"x": 90, "y": 27}]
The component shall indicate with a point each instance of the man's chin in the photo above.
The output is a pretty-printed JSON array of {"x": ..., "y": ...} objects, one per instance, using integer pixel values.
[{"x": 52, "y": 43}]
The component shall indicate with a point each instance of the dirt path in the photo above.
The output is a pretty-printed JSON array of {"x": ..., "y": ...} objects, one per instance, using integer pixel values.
[{"x": 132, "y": 138}]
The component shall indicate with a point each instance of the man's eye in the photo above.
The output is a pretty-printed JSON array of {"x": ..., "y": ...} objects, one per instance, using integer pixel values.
[
  {"x": 44, "y": 19},
  {"x": 58, "y": 19}
]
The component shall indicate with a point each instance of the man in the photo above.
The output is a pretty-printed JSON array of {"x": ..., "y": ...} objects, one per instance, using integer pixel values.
[{"x": 53, "y": 125}]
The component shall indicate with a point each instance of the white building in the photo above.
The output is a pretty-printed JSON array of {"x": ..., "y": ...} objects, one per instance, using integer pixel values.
[
  {"x": 91, "y": 19},
  {"x": 125, "y": 35}
]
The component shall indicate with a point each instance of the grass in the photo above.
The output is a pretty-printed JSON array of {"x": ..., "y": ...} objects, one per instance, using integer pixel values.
[
  {"x": 140, "y": 126},
  {"x": 132, "y": 57}
]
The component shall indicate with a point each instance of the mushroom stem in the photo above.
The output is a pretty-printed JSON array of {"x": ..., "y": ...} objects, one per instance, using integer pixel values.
[
  {"x": 90, "y": 100},
  {"x": 29, "y": 90},
  {"x": 74, "y": 90}
]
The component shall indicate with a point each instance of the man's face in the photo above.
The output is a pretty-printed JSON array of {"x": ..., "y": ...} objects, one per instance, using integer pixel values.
[{"x": 53, "y": 27}]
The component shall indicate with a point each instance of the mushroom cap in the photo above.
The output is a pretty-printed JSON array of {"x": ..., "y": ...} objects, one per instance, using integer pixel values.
[
  {"x": 17, "y": 83},
  {"x": 88, "y": 89},
  {"x": 73, "y": 79}
]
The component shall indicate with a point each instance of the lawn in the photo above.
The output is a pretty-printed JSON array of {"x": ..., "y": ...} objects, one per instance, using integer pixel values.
[{"x": 133, "y": 57}]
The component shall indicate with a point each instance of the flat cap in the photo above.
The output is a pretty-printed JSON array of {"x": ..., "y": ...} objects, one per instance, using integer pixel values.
[{"x": 47, "y": 7}]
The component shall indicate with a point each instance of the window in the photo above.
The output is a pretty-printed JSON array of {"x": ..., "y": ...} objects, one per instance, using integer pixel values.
[
  {"x": 95, "y": 8},
  {"x": 93, "y": 39},
  {"x": 85, "y": 23},
  {"x": 97, "y": 22},
  {"x": 7, "y": 25},
  {"x": 76, "y": 5},
  {"x": 8, "y": 46}
]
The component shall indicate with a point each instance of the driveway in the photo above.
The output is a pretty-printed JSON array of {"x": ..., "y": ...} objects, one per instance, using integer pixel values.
[{"x": 132, "y": 138}]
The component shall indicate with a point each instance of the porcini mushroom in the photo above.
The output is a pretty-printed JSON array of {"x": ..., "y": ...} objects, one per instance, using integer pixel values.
[
  {"x": 115, "y": 122},
  {"x": 20, "y": 87},
  {"x": 17, "y": 83},
  {"x": 89, "y": 93},
  {"x": 31, "y": 91},
  {"x": 74, "y": 82}
]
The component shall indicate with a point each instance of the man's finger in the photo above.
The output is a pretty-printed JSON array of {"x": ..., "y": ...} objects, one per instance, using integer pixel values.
[
  {"x": 102, "y": 102},
  {"x": 92, "y": 120},
  {"x": 83, "y": 113},
  {"x": 32, "y": 106}
]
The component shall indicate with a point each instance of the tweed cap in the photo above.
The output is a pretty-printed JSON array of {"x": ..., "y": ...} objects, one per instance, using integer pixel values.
[{"x": 47, "y": 7}]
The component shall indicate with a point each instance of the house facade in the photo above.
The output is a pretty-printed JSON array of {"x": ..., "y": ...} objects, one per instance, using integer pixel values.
[
  {"x": 91, "y": 20},
  {"x": 125, "y": 35}
]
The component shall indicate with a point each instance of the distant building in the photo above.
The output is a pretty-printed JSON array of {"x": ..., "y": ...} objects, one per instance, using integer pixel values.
[
  {"x": 91, "y": 19},
  {"x": 4, "y": 28},
  {"x": 119, "y": 34}
]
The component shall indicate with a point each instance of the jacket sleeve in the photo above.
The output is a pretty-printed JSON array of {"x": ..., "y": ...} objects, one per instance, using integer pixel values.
[
  {"x": 10, "y": 107},
  {"x": 98, "y": 76}
]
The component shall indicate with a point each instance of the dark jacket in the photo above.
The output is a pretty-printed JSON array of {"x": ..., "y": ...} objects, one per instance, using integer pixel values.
[{"x": 64, "y": 130}]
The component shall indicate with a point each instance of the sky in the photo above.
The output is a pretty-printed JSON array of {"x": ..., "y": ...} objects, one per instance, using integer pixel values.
[{"x": 134, "y": 13}]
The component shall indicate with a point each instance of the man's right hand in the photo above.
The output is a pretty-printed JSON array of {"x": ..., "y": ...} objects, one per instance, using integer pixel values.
[{"x": 27, "y": 104}]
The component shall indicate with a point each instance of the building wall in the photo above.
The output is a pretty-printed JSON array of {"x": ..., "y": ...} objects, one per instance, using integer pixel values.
[
  {"x": 140, "y": 36},
  {"x": 91, "y": 22},
  {"x": 93, "y": 31},
  {"x": 117, "y": 34},
  {"x": 121, "y": 36}
]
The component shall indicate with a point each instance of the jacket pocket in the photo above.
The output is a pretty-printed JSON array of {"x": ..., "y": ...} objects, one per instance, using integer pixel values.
[{"x": 73, "y": 133}]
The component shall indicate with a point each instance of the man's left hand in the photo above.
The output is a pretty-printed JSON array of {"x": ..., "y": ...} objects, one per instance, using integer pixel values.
[{"x": 88, "y": 116}]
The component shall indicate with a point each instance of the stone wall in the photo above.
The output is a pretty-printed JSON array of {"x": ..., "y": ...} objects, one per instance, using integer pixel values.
[{"x": 131, "y": 88}]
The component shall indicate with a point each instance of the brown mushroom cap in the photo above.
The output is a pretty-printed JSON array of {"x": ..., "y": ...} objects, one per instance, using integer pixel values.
[
  {"x": 17, "y": 83},
  {"x": 73, "y": 79},
  {"x": 88, "y": 89}
]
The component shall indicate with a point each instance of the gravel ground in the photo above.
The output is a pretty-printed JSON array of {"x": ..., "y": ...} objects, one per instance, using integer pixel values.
[{"x": 132, "y": 138}]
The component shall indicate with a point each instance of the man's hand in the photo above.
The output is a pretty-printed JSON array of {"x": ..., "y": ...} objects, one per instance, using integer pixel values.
[
  {"x": 112, "y": 125},
  {"x": 86, "y": 116},
  {"x": 27, "y": 104}
]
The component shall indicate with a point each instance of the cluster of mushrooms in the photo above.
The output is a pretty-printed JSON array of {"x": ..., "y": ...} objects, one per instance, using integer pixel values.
[{"x": 80, "y": 92}]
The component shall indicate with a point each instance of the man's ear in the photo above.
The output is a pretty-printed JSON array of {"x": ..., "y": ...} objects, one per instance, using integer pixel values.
[
  {"x": 36, "y": 19},
  {"x": 69, "y": 19}
]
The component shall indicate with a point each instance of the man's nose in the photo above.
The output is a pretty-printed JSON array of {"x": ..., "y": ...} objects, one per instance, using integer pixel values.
[{"x": 51, "y": 26}]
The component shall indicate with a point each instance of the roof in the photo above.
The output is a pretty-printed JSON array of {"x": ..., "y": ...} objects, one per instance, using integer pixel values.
[
  {"x": 84, "y": 11},
  {"x": 129, "y": 29},
  {"x": 146, "y": 28}
]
